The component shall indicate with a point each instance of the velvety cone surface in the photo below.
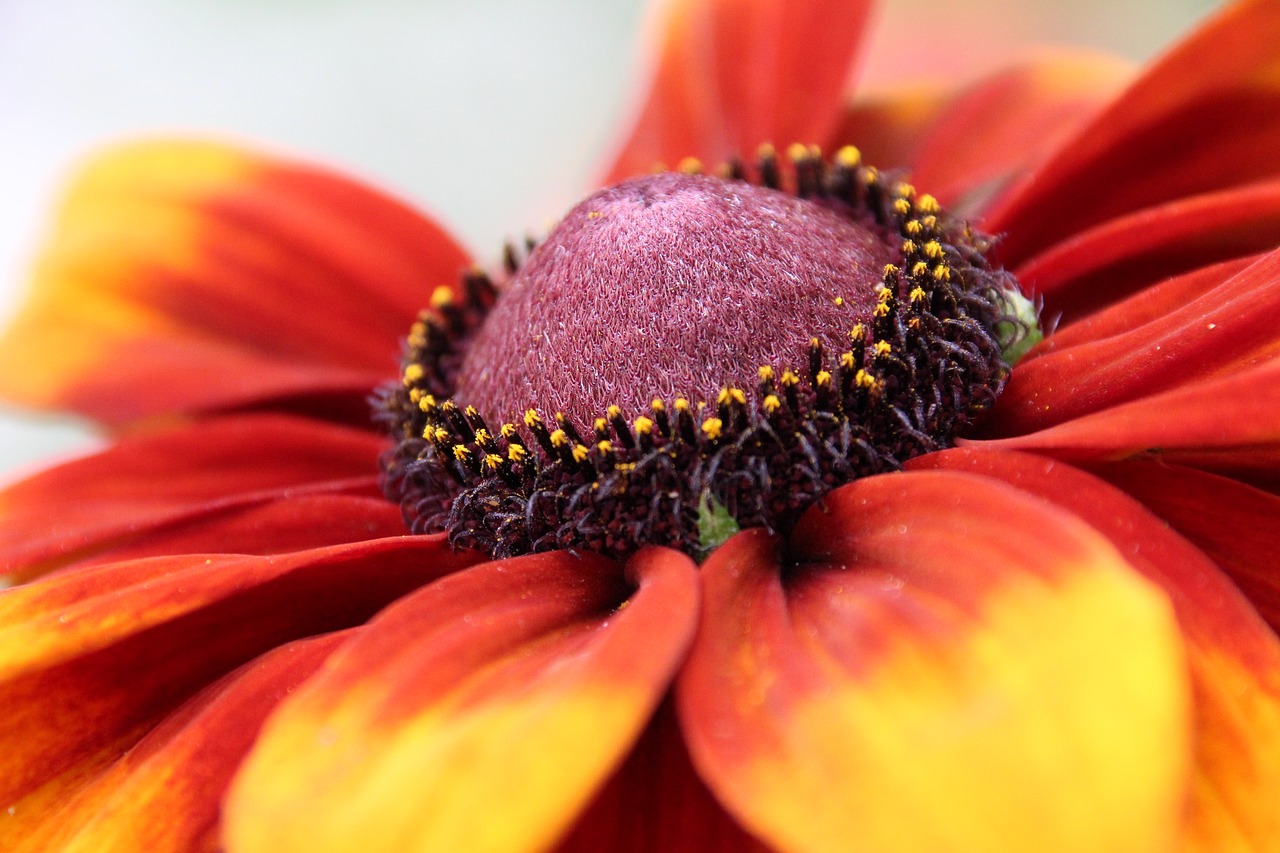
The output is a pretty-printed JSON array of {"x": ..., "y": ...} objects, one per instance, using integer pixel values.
[{"x": 668, "y": 286}]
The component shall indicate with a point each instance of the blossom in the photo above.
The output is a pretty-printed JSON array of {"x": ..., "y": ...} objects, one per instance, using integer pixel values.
[{"x": 1059, "y": 634}]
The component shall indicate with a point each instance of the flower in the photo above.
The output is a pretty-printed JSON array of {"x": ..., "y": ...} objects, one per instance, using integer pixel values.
[{"x": 1058, "y": 635}]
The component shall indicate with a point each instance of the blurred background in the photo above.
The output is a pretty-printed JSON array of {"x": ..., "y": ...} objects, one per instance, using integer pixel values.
[{"x": 493, "y": 114}]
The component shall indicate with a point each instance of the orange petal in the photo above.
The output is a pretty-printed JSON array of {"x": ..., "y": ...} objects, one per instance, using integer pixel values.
[
  {"x": 479, "y": 714},
  {"x": 195, "y": 276},
  {"x": 1223, "y": 324},
  {"x": 889, "y": 127},
  {"x": 941, "y": 664},
  {"x": 656, "y": 803},
  {"x": 92, "y": 658},
  {"x": 1241, "y": 533},
  {"x": 732, "y": 74},
  {"x": 1007, "y": 123},
  {"x": 1220, "y": 424},
  {"x": 1124, "y": 255},
  {"x": 1234, "y": 659},
  {"x": 165, "y": 794},
  {"x": 1204, "y": 118},
  {"x": 182, "y": 477}
]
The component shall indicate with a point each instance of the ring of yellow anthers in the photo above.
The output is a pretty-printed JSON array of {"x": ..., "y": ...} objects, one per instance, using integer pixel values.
[{"x": 916, "y": 373}]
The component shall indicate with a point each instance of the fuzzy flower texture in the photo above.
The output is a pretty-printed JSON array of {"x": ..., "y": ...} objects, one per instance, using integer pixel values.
[{"x": 912, "y": 485}]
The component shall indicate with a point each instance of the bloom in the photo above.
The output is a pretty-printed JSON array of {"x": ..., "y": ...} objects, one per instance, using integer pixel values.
[{"x": 1059, "y": 635}]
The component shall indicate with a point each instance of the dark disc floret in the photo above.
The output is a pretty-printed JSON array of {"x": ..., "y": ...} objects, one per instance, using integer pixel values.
[{"x": 685, "y": 355}]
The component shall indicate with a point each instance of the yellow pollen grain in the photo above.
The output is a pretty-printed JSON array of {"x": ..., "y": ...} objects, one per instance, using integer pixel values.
[
  {"x": 601, "y": 424},
  {"x": 839, "y": 300},
  {"x": 765, "y": 372},
  {"x": 921, "y": 268},
  {"x": 929, "y": 221},
  {"x": 863, "y": 379},
  {"x": 508, "y": 430},
  {"x": 890, "y": 269},
  {"x": 559, "y": 438},
  {"x": 442, "y": 296},
  {"x": 823, "y": 378},
  {"x": 482, "y": 436},
  {"x": 908, "y": 247},
  {"x": 594, "y": 214},
  {"x": 414, "y": 374},
  {"x": 461, "y": 452},
  {"x": 604, "y": 446},
  {"x": 913, "y": 228},
  {"x": 657, "y": 405},
  {"x": 772, "y": 404},
  {"x": 858, "y": 333},
  {"x": 492, "y": 461},
  {"x": 883, "y": 348},
  {"x": 797, "y": 151},
  {"x": 470, "y": 411},
  {"x": 882, "y": 310},
  {"x": 942, "y": 273},
  {"x": 846, "y": 360},
  {"x": 766, "y": 150},
  {"x": 848, "y": 156},
  {"x": 928, "y": 204},
  {"x": 531, "y": 418},
  {"x": 884, "y": 293},
  {"x": 736, "y": 395},
  {"x": 815, "y": 151},
  {"x": 904, "y": 189},
  {"x": 902, "y": 206},
  {"x": 613, "y": 411},
  {"x": 933, "y": 249},
  {"x": 713, "y": 427},
  {"x": 790, "y": 379},
  {"x": 690, "y": 166},
  {"x": 681, "y": 404},
  {"x": 642, "y": 425},
  {"x": 917, "y": 294},
  {"x": 870, "y": 175},
  {"x": 580, "y": 453},
  {"x": 914, "y": 324},
  {"x": 415, "y": 395},
  {"x": 516, "y": 453},
  {"x": 441, "y": 434}
]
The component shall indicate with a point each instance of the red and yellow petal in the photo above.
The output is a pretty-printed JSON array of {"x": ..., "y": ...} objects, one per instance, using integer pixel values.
[
  {"x": 942, "y": 664},
  {"x": 1007, "y": 123},
  {"x": 515, "y": 687},
  {"x": 91, "y": 659},
  {"x": 1233, "y": 658},
  {"x": 889, "y": 127},
  {"x": 732, "y": 74},
  {"x": 1204, "y": 118},
  {"x": 197, "y": 276},
  {"x": 165, "y": 793},
  {"x": 194, "y": 478},
  {"x": 1212, "y": 323}
]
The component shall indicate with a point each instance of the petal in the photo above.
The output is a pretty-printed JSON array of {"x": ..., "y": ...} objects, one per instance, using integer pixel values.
[
  {"x": 1204, "y": 118},
  {"x": 90, "y": 659},
  {"x": 1007, "y": 123},
  {"x": 165, "y": 794},
  {"x": 1234, "y": 660},
  {"x": 920, "y": 679},
  {"x": 732, "y": 74},
  {"x": 1223, "y": 325},
  {"x": 1124, "y": 255},
  {"x": 208, "y": 277},
  {"x": 656, "y": 803},
  {"x": 889, "y": 127},
  {"x": 1241, "y": 533},
  {"x": 1222, "y": 424},
  {"x": 517, "y": 686},
  {"x": 182, "y": 477}
]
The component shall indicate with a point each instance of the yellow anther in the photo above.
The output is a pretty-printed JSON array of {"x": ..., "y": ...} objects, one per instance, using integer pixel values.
[
  {"x": 594, "y": 214},
  {"x": 928, "y": 204},
  {"x": 613, "y": 411},
  {"x": 461, "y": 452},
  {"x": 902, "y": 206},
  {"x": 605, "y": 446},
  {"x": 913, "y": 227},
  {"x": 580, "y": 453},
  {"x": 690, "y": 166},
  {"x": 815, "y": 151},
  {"x": 470, "y": 411},
  {"x": 765, "y": 151},
  {"x": 942, "y": 273},
  {"x": 863, "y": 379},
  {"x": 558, "y": 438},
  {"x": 415, "y": 394},
  {"x": 492, "y": 461},
  {"x": 442, "y": 296},
  {"x": 823, "y": 378},
  {"x": 713, "y": 427},
  {"x": 890, "y": 269},
  {"x": 929, "y": 221},
  {"x": 904, "y": 189},
  {"x": 858, "y": 333},
  {"x": 908, "y": 247},
  {"x": 413, "y": 374},
  {"x": 737, "y": 396},
  {"x": 933, "y": 249},
  {"x": 870, "y": 175},
  {"x": 914, "y": 324},
  {"x": 516, "y": 453},
  {"x": 797, "y": 151},
  {"x": 839, "y": 300},
  {"x": 917, "y": 294},
  {"x": 849, "y": 157},
  {"x": 681, "y": 404},
  {"x": 846, "y": 361},
  {"x": 482, "y": 436},
  {"x": 882, "y": 310},
  {"x": 508, "y": 430},
  {"x": 601, "y": 424},
  {"x": 884, "y": 293},
  {"x": 531, "y": 418},
  {"x": 765, "y": 372},
  {"x": 772, "y": 404},
  {"x": 642, "y": 425},
  {"x": 790, "y": 379},
  {"x": 657, "y": 405},
  {"x": 920, "y": 268},
  {"x": 883, "y": 348},
  {"x": 441, "y": 434}
]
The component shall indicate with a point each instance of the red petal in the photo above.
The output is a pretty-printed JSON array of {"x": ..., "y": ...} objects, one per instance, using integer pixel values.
[
  {"x": 1006, "y": 124},
  {"x": 1222, "y": 423},
  {"x": 656, "y": 803},
  {"x": 1223, "y": 324},
  {"x": 165, "y": 794},
  {"x": 732, "y": 74},
  {"x": 184, "y": 477},
  {"x": 500, "y": 697},
  {"x": 1241, "y": 533},
  {"x": 189, "y": 276},
  {"x": 1204, "y": 118},
  {"x": 917, "y": 678},
  {"x": 889, "y": 127},
  {"x": 94, "y": 657},
  {"x": 1234, "y": 659},
  {"x": 1124, "y": 255}
]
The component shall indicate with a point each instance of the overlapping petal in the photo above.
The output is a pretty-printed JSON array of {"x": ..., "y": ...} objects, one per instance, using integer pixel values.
[
  {"x": 515, "y": 686},
  {"x": 1204, "y": 118},
  {"x": 93, "y": 658},
  {"x": 210, "y": 277},
  {"x": 905, "y": 675},
  {"x": 732, "y": 74},
  {"x": 165, "y": 793},
  {"x": 1234, "y": 660},
  {"x": 253, "y": 483}
]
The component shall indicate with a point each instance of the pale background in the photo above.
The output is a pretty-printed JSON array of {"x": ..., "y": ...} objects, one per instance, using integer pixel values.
[{"x": 492, "y": 113}]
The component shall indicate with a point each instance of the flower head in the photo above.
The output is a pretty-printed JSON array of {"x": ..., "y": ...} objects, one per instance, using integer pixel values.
[{"x": 982, "y": 598}]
